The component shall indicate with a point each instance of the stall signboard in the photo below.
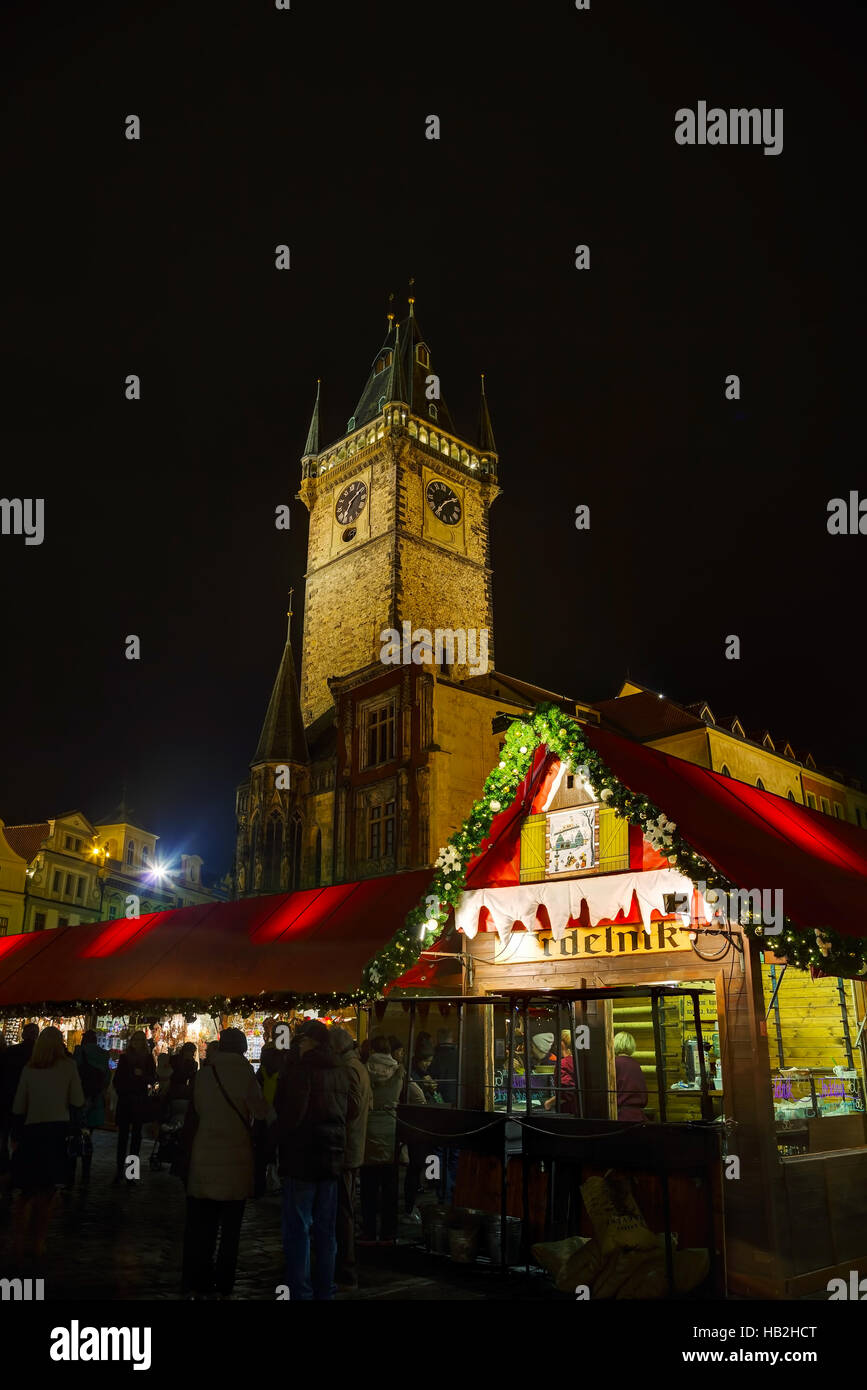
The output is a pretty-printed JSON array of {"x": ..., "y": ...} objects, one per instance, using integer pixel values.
[{"x": 597, "y": 942}]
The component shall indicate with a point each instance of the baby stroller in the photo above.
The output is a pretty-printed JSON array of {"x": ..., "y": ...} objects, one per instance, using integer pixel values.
[{"x": 167, "y": 1146}]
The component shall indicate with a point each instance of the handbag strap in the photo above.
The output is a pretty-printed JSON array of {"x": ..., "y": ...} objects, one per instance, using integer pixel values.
[{"x": 227, "y": 1097}]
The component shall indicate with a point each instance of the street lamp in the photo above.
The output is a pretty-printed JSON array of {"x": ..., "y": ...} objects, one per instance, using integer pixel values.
[{"x": 100, "y": 854}]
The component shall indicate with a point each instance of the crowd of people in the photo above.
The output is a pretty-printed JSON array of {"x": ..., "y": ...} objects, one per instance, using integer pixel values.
[{"x": 319, "y": 1119}]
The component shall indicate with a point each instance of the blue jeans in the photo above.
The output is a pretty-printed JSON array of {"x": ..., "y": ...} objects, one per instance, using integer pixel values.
[{"x": 310, "y": 1206}]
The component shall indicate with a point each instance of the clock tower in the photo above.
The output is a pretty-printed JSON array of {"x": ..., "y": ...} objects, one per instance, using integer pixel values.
[{"x": 399, "y": 539}]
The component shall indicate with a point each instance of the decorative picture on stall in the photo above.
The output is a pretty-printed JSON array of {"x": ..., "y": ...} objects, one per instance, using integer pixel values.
[{"x": 572, "y": 838}]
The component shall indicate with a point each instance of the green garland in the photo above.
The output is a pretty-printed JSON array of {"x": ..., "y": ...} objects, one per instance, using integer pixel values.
[
  {"x": 243, "y": 1004},
  {"x": 562, "y": 735}
]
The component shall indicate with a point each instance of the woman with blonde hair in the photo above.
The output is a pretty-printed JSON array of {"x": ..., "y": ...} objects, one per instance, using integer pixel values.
[
  {"x": 49, "y": 1091},
  {"x": 631, "y": 1085}
]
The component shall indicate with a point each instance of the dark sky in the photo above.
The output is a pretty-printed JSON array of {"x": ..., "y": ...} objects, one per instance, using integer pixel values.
[{"x": 606, "y": 387}]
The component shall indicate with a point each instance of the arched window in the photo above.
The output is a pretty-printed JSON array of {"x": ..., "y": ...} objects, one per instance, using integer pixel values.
[
  {"x": 422, "y": 355},
  {"x": 351, "y": 426},
  {"x": 273, "y": 854},
  {"x": 790, "y": 795},
  {"x": 432, "y": 411},
  {"x": 724, "y": 771},
  {"x": 760, "y": 784},
  {"x": 381, "y": 403},
  {"x": 295, "y": 829},
  {"x": 145, "y": 856},
  {"x": 317, "y": 861},
  {"x": 130, "y": 852}
]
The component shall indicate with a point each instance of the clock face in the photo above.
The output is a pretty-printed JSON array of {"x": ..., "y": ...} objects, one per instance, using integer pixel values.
[
  {"x": 350, "y": 503},
  {"x": 444, "y": 504}
]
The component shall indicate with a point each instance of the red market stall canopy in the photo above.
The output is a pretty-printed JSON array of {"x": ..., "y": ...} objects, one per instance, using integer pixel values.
[
  {"x": 257, "y": 952},
  {"x": 756, "y": 839}
]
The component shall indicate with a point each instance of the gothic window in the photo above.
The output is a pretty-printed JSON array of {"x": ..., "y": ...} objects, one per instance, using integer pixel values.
[
  {"x": 760, "y": 784},
  {"x": 317, "y": 861},
  {"x": 380, "y": 835},
  {"x": 253, "y": 850},
  {"x": 381, "y": 403},
  {"x": 724, "y": 771},
  {"x": 351, "y": 426},
  {"x": 273, "y": 854},
  {"x": 422, "y": 355},
  {"x": 379, "y": 734},
  {"x": 790, "y": 795},
  {"x": 130, "y": 852},
  {"x": 295, "y": 833},
  {"x": 432, "y": 411},
  {"x": 374, "y": 839},
  {"x": 388, "y": 827}
]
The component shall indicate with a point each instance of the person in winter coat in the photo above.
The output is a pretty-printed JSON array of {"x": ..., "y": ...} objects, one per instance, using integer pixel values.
[
  {"x": 379, "y": 1175},
  {"x": 226, "y": 1099},
  {"x": 12, "y": 1061},
  {"x": 346, "y": 1270},
  {"x": 631, "y": 1085},
  {"x": 314, "y": 1106},
  {"x": 183, "y": 1067},
  {"x": 444, "y": 1067},
  {"x": 417, "y": 1150},
  {"x": 95, "y": 1075},
  {"x": 48, "y": 1099},
  {"x": 135, "y": 1074}
]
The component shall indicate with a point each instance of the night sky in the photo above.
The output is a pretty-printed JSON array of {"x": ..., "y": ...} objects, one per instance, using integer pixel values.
[{"x": 606, "y": 387}]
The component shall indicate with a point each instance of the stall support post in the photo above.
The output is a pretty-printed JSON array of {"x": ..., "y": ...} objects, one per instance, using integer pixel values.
[
  {"x": 510, "y": 1074},
  {"x": 459, "y": 1089},
  {"x": 706, "y": 1102},
  {"x": 528, "y": 1104},
  {"x": 579, "y": 1089},
  {"x": 850, "y": 1060},
  {"x": 503, "y": 1203},
  {"x": 528, "y": 1058},
  {"x": 409, "y": 1049},
  {"x": 660, "y": 1060}
]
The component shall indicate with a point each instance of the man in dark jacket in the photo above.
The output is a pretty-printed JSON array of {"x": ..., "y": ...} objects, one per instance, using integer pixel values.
[
  {"x": 353, "y": 1157},
  {"x": 313, "y": 1104}
]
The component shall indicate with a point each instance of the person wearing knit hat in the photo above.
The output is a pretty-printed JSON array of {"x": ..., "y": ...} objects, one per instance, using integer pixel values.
[{"x": 346, "y": 1268}]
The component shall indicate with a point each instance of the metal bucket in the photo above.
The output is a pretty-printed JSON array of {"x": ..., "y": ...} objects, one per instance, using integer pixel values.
[
  {"x": 493, "y": 1225},
  {"x": 438, "y": 1235}
]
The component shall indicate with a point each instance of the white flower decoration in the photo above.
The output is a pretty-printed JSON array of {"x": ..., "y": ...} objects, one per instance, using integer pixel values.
[
  {"x": 495, "y": 806},
  {"x": 606, "y": 794}
]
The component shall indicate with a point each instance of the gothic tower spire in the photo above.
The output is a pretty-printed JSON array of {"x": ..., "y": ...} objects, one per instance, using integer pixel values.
[
  {"x": 485, "y": 439},
  {"x": 282, "y": 738},
  {"x": 312, "y": 446}
]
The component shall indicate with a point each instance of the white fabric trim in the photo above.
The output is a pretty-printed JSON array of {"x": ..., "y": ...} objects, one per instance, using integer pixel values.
[{"x": 605, "y": 897}]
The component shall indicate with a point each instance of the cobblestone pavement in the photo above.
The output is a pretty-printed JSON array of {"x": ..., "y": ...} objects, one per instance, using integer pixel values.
[{"x": 125, "y": 1242}]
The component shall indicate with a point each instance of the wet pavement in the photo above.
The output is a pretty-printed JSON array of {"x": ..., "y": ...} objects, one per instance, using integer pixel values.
[{"x": 118, "y": 1243}]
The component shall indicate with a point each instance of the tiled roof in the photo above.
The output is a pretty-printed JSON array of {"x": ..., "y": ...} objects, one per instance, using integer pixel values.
[
  {"x": 646, "y": 716},
  {"x": 26, "y": 840}
]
